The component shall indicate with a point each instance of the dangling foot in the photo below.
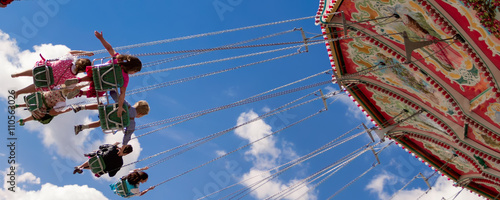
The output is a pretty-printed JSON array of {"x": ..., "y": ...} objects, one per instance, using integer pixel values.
[
  {"x": 78, "y": 129},
  {"x": 73, "y": 94},
  {"x": 70, "y": 83},
  {"x": 77, "y": 170},
  {"x": 76, "y": 108}
]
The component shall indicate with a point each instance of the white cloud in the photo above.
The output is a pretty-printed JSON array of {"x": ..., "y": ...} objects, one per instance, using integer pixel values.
[
  {"x": 28, "y": 177},
  {"x": 54, "y": 192},
  {"x": 352, "y": 109},
  {"x": 378, "y": 183},
  {"x": 220, "y": 152},
  {"x": 47, "y": 191},
  {"x": 443, "y": 188},
  {"x": 265, "y": 155},
  {"x": 263, "y": 152},
  {"x": 274, "y": 186}
]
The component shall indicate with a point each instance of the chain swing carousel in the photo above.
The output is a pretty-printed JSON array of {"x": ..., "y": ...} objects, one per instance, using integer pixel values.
[{"x": 437, "y": 63}]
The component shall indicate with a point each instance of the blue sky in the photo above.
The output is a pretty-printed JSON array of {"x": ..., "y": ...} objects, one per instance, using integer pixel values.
[{"x": 47, "y": 154}]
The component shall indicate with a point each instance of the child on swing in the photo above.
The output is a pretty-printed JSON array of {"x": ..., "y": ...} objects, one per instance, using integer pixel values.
[
  {"x": 112, "y": 155},
  {"x": 54, "y": 103},
  {"x": 140, "y": 109},
  {"x": 63, "y": 69},
  {"x": 132, "y": 181},
  {"x": 129, "y": 65}
]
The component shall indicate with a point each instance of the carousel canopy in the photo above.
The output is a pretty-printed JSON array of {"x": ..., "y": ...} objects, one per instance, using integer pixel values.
[{"x": 427, "y": 73}]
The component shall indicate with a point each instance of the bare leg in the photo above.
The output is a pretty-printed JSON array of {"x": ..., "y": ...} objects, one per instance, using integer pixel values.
[
  {"x": 21, "y": 105},
  {"x": 28, "y": 72},
  {"x": 91, "y": 107},
  {"x": 92, "y": 125},
  {"x": 28, "y": 89},
  {"x": 23, "y": 121},
  {"x": 78, "y": 169},
  {"x": 86, "y": 78},
  {"x": 79, "y": 128},
  {"x": 85, "y": 165}
]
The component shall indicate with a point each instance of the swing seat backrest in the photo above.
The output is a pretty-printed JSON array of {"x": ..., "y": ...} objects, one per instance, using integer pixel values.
[
  {"x": 122, "y": 188},
  {"x": 34, "y": 101},
  {"x": 43, "y": 76},
  {"x": 109, "y": 119},
  {"x": 107, "y": 77},
  {"x": 97, "y": 165}
]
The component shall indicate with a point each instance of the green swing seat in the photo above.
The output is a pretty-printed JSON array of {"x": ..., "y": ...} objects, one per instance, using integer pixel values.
[
  {"x": 109, "y": 119},
  {"x": 107, "y": 77},
  {"x": 34, "y": 101},
  {"x": 43, "y": 77},
  {"x": 122, "y": 189},
  {"x": 97, "y": 165}
]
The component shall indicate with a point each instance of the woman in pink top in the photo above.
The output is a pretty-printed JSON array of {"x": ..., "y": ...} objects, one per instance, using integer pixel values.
[
  {"x": 129, "y": 65},
  {"x": 66, "y": 67}
]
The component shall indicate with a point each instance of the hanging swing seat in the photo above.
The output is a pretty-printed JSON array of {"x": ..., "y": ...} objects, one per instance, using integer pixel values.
[
  {"x": 109, "y": 119},
  {"x": 34, "y": 101},
  {"x": 107, "y": 77},
  {"x": 122, "y": 188},
  {"x": 43, "y": 76},
  {"x": 97, "y": 165}
]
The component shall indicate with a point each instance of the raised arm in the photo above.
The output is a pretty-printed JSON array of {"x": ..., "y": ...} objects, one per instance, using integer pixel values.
[
  {"x": 121, "y": 99},
  {"x": 145, "y": 191},
  {"x": 141, "y": 169},
  {"x": 106, "y": 45},
  {"x": 79, "y": 52}
]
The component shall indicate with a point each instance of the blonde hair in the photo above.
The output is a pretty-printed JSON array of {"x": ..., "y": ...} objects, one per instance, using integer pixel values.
[{"x": 142, "y": 107}]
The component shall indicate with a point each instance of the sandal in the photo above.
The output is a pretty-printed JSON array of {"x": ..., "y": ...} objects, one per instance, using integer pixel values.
[{"x": 77, "y": 170}]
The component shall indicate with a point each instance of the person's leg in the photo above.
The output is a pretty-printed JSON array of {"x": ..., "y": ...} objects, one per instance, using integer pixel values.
[
  {"x": 79, "y": 128},
  {"x": 21, "y": 105},
  {"x": 76, "y": 91},
  {"x": 23, "y": 121},
  {"x": 78, "y": 169},
  {"x": 28, "y": 72},
  {"x": 126, "y": 137},
  {"x": 28, "y": 89},
  {"x": 70, "y": 82},
  {"x": 85, "y": 165},
  {"x": 77, "y": 108}
]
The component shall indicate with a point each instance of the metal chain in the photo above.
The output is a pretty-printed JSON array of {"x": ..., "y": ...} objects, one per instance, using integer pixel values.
[
  {"x": 210, "y": 137},
  {"x": 318, "y": 172},
  {"x": 321, "y": 150},
  {"x": 332, "y": 172},
  {"x": 215, "y": 159},
  {"x": 219, "y": 60},
  {"x": 201, "y": 35},
  {"x": 153, "y": 63},
  {"x": 169, "y": 83},
  {"x": 252, "y": 99},
  {"x": 393, "y": 195},
  {"x": 220, "y": 48},
  {"x": 296, "y": 161},
  {"x": 350, "y": 183}
]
